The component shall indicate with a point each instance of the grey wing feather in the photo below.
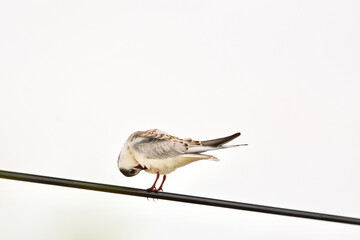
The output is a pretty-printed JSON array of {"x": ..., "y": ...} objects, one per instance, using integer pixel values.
[{"x": 159, "y": 146}]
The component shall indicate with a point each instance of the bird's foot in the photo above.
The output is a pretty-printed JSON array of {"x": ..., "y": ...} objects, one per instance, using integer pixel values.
[
  {"x": 160, "y": 189},
  {"x": 152, "y": 189}
]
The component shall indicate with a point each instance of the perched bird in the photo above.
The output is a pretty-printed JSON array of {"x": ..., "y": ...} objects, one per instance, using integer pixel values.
[{"x": 157, "y": 152}]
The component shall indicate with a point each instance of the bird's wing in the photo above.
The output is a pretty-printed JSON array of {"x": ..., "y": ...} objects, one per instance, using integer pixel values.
[{"x": 155, "y": 144}]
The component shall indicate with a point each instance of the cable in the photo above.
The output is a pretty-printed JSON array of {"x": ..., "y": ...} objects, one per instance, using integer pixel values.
[{"x": 174, "y": 197}]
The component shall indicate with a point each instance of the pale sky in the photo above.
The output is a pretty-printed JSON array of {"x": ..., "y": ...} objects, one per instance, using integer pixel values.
[{"x": 78, "y": 77}]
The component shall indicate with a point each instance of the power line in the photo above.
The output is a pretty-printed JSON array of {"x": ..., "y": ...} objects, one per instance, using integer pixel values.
[{"x": 174, "y": 197}]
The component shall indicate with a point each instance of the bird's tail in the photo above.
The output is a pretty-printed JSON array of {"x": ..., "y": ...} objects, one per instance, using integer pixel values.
[{"x": 214, "y": 144}]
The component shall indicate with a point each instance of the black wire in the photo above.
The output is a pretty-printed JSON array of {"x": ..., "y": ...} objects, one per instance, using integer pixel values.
[{"x": 174, "y": 197}]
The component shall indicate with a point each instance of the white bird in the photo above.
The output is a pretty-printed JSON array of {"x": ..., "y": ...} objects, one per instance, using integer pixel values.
[{"x": 157, "y": 152}]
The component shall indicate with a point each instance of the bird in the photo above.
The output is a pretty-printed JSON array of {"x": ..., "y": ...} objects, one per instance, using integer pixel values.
[{"x": 160, "y": 153}]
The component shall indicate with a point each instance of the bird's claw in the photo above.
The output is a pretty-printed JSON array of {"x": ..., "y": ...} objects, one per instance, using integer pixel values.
[{"x": 152, "y": 189}]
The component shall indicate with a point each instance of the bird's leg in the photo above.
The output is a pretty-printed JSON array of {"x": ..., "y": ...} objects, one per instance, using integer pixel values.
[
  {"x": 153, "y": 188},
  {"x": 160, "y": 188}
]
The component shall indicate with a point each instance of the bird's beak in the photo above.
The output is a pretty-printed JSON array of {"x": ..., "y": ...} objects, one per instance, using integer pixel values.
[{"x": 140, "y": 167}]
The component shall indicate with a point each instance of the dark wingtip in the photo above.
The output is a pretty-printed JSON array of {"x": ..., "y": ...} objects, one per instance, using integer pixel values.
[
  {"x": 220, "y": 141},
  {"x": 235, "y": 135}
]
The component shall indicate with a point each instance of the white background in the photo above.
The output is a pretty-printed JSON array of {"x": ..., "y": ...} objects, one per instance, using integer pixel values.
[{"x": 78, "y": 77}]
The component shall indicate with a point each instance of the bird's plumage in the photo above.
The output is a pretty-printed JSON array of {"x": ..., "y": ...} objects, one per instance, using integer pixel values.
[{"x": 157, "y": 152}]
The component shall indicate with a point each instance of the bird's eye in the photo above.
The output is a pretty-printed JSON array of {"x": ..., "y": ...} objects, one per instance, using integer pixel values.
[{"x": 132, "y": 171}]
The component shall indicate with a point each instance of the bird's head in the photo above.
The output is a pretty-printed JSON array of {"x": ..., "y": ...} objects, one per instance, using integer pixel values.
[
  {"x": 128, "y": 166},
  {"x": 130, "y": 172}
]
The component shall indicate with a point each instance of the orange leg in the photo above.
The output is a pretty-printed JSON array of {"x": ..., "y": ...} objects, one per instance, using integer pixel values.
[
  {"x": 153, "y": 188},
  {"x": 160, "y": 188}
]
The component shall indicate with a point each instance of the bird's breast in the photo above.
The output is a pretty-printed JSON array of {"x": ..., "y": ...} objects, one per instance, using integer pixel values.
[{"x": 161, "y": 166}]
